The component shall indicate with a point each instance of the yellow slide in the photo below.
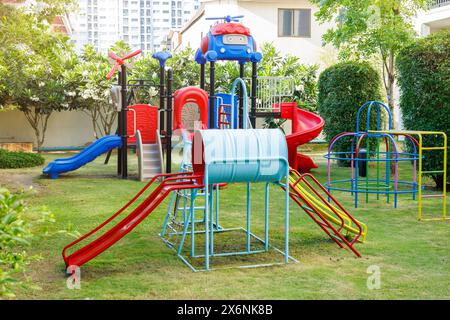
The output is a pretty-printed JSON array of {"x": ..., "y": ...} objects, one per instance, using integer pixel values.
[{"x": 331, "y": 212}]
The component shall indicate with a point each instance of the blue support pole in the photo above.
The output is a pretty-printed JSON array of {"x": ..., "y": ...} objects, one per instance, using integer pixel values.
[
  {"x": 217, "y": 207},
  {"x": 211, "y": 218},
  {"x": 206, "y": 183},
  {"x": 166, "y": 219},
  {"x": 266, "y": 218},
  {"x": 185, "y": 226},
  {"x": 248, "y": 217},
  {"x": 286, "y": 231}
]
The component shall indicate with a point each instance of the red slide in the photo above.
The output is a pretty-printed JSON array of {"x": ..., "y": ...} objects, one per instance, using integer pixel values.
[
  {"x": 305, "y": 127},
  {"x": 174, "y": 181}
]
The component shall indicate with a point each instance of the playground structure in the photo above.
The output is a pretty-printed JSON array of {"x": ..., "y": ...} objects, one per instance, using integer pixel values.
[
  {"x": 380, "y": 148},
  {"x": 136, "y": 125},
  {"x": 224, "y": 149}
]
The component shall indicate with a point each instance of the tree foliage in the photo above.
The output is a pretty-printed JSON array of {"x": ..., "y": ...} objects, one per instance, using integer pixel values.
[
  {"x": 33, "y": 62},
  {"x": 368, "y": 28},
  {"x": 424, "y": 80},
  {"x": 343, "y": 88},
  {"x": 20, "y": 226}
]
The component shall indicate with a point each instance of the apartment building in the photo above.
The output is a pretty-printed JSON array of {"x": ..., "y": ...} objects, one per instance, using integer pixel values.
[{"x": 142, "y": 24}]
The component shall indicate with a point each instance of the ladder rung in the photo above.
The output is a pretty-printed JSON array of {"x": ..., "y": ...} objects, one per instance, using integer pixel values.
[
  {"x": 433, "y": 148},
  {"x": 434, "y": 171},
  {"x": 433, "y": 196}
]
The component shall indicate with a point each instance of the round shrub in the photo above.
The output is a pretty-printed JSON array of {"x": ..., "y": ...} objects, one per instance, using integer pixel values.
[
  {"x": 424, "y": 79},
  {"x": 343, "y": 88},
  {"x": 14, "y": 160}
]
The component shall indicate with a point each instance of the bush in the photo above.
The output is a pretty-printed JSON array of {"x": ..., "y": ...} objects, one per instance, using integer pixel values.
[
  {"x": 424, "y": 79},
  {"x": 343, "y": 88},
  {"x": 13, "y": 160},
  {"x": 19, "y": 227}
]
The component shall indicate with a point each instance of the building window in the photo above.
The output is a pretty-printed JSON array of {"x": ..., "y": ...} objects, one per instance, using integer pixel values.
[{"x": 294, "y": 23}]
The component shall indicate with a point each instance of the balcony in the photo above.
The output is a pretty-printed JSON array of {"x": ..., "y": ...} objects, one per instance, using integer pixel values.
[
  {"x": 436, "y": 18},
  {"x": 439, "y": 3}
]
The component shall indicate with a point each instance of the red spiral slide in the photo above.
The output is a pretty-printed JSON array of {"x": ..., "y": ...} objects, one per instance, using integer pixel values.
[{"x": 305, "y": 127}]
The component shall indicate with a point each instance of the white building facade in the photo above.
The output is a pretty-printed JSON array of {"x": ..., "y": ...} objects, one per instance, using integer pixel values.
[
  {"x": 142, "y": 24},
  {"x": 436, "y": 18},
  {"x": 289, "y": 24}
]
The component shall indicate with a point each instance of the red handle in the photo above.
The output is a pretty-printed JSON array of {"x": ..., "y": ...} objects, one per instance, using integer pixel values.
[
  {"x": 131, "y": 55},
  {"x": 119, "y": 61},
  {"x": 113, "y": 70}
]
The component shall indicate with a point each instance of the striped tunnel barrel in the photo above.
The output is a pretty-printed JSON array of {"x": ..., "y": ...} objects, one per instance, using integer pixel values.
[{"x": 237, "y": 155}]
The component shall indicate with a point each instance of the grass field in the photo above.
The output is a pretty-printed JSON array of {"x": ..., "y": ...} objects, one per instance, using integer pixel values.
[{"x": 413, "y": 257}]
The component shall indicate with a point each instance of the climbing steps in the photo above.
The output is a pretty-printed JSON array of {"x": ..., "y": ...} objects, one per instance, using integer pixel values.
[
  {"x": 150, "y": 160},
  {"x": 329, "y": 214},
  {"x": 442, "y": 148},
  {"x": 224, "y": 116}
]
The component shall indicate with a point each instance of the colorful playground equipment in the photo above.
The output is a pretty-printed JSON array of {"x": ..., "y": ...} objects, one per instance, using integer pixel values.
[
  {"x": 229, "y": 156},
  {"x": 225, "y": 149},
  {"x": 380, "y": 149}
]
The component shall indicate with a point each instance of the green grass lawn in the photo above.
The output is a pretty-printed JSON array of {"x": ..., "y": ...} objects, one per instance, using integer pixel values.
[{"x": 413, "y": 257}]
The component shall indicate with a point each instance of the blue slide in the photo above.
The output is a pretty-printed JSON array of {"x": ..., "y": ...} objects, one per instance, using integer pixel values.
[{"x": 87, "y": 155}]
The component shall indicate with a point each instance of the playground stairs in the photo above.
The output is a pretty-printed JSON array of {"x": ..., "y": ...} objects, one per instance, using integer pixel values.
[
  {"x": 178, "y": 214},
  {"x": 326, "y": 211},
  {"x": 224, "y": 116},
  {"x": 150, "y": 161}
]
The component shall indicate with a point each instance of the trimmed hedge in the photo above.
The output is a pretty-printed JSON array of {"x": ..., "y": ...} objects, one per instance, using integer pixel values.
[
  {"x": 424, "y": 79},
  {"x": 343, "y": 88},
  {"x": 14, "y": 160}
]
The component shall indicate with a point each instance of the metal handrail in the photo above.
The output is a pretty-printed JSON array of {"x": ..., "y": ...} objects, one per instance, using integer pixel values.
[{"x": 438, "y": 3}]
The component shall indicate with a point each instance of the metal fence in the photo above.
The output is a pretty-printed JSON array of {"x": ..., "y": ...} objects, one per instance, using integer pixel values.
[
  {"x": 439, "y": 3},
  {"x": 271, "y": 91}
]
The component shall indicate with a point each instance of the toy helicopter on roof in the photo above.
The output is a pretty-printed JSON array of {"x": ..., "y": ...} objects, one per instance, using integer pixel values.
[{"x": 228, "y": 40}]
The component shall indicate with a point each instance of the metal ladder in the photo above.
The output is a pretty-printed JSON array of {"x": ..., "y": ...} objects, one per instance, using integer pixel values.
[
  {"x": 443, "y": 195},
  {"x": 224, "y": 117},
  {"x": 420, "y": 135}
]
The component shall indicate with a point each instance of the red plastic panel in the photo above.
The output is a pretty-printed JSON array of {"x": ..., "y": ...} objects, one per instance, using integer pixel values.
[
  {"x": 187, "y": 95},
  {"x": 146, "y": 123}
]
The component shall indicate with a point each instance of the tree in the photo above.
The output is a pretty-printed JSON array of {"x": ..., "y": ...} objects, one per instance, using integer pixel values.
[
  {"x": 424, "y": 79},
  {"x": 87, "y": 81},
  {"x": 371, "y": 28},
  {"x": 34, "y": 61},
  {"x": 344, "y": 87}
]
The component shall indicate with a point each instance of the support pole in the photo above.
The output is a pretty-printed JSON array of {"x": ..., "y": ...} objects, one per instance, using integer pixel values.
[
  {"x": 202, "y": 76},
  {"x": 266, "y": 218},
  {"x": 248, "y": 218},
  {"x": 119, "y": 129},
  {"x": 162, "y": 100},
  {"x": 253, "y": 94},
  {"x": 241, "y": 96},
  {"x": 212, "y": 84},
  {"x": 123, "y": 133},
  {"x": 286, "y": 222},
  {"x": 169, "y": 122}
]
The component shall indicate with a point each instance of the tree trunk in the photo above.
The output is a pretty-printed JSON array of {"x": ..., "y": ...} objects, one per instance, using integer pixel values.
[
  {"x": 389, "y": 82},
  {"x": 102, "y": 120},
  {"x": 38, "y": 121}
]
